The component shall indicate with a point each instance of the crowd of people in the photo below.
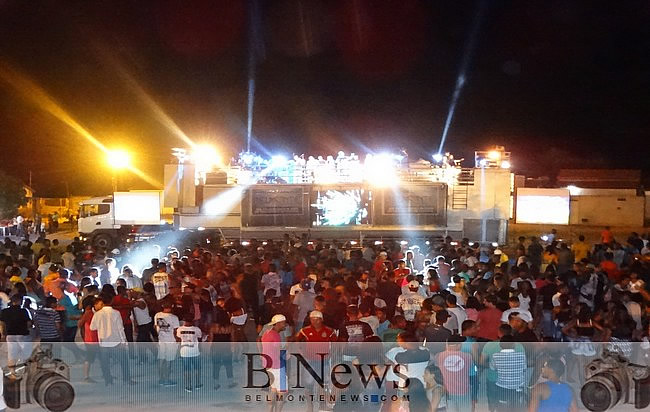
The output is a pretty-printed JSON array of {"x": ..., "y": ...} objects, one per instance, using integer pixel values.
[{"x": 482, "y": 303}]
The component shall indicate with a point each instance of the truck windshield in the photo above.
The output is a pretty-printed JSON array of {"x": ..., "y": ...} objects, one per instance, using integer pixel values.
[{"x": 94, "y": 210}]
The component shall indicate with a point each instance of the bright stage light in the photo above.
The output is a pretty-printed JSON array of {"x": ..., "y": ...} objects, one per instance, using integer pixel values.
[
  {"x": 494, "y": 155},
  {"x": 404, "y": 242},
  {"x": 505, "y": 164},
  {"x": 279, "y": 161},
  {"x": 118, "y": 159},
  {"x": 378, "y": 242},
  {"x": 381, "y": 170},
  {"x": 245, "y": 243},
  {"x": 495, "y": 244},
  {"x": 205, "y": 157},
  {"x": 437, "y": 157},
  {"x": 483, "y": 163}
]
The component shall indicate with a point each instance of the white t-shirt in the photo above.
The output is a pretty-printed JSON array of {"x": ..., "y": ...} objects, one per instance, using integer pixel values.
[
  {"x": 461, "y": 316},
  {"x": 410, "y": 303},
  {"x": 524, "y": 302},
  {"x": 272, "y": 280},
  {"x": 523, "y": 314},
  {"x": 189, "y": 336},
  {"x": 165, "y": 325}
]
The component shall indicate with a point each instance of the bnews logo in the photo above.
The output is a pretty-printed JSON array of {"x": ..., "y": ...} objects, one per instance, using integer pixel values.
[{"x": 340, "y": 375}]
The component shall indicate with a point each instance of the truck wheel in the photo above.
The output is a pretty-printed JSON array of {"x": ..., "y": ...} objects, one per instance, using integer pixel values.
[{"x": 103, "y": 241}]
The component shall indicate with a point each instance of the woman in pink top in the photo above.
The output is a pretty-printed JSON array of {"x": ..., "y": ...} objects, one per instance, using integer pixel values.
[{"x": 90, "y": 337}]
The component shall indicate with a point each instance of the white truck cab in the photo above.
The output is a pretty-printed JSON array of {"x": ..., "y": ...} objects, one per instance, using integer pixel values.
[{"x": 107, "y": 220}]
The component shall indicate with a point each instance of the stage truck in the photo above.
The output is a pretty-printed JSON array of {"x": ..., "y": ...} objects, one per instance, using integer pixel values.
[{"x": 341, "y": 197}]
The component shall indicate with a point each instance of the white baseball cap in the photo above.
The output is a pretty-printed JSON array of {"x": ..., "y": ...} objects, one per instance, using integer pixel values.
[
  {"x": 316, "y": 314},
  {"x": 277, "y": 319}
]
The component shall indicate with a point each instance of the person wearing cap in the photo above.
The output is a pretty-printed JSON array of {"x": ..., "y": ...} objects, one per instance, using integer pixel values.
[
  {"x": 318, "y": 336},
  {"x": 316, "y": 331},
  {"x": 455, "y": 367},
  {"x": 410, "y": 303},
  {"x": 297, "y": 288},
  {"x": 271, "y": 345},
  {"x": 304, "y": 300}
]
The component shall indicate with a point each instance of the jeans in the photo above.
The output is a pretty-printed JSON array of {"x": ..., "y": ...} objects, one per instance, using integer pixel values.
[
  {"x": 548, "y": 325},
  {"x": 128, "y": 331},
  {"x": 119, "y": 354},
  {"x": 221, "y": 357},
  {"x": 145, "y": 333}
]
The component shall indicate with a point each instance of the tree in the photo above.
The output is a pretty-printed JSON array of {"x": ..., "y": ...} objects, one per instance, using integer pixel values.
[{"x": 12, "y": 195}]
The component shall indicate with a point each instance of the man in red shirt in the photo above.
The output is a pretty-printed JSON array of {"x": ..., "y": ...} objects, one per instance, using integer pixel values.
[
  {"x": 401, "y": 273},
  {"x": 609, "y": 266},
  {"x": 489, "y": 319},
  {"x": 316, "y": 331},
  {"x": 606, "y": 236},
  {"x": 317, "y": 337},
  {"x": 122, "y": 303}
]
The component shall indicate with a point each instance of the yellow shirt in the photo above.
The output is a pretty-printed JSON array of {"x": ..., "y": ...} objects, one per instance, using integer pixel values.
[{"x": 580, "y": 250}]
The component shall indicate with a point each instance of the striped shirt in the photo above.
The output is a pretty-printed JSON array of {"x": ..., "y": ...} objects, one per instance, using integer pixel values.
[
  {"x": 160, "y": 282},
  {"x": 510, "y": 367},
  {"x": 45, "y": 320}
]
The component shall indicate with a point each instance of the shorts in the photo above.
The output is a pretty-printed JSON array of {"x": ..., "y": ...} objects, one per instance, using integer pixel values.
[
  {"x": 276, "y": 380},
  {"x": 191, "y": 363},
  {"x": 167, "y": 351}
]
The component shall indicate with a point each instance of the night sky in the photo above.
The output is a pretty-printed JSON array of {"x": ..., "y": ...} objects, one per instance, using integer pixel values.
[{"x": 560, "y": 84}]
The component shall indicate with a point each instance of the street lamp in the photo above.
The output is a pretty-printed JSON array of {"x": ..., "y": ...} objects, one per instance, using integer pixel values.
[{"x": 117, "y": 160}]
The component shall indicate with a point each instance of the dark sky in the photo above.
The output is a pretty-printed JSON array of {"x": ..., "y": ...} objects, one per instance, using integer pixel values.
[{"x": 560, "y": 84}]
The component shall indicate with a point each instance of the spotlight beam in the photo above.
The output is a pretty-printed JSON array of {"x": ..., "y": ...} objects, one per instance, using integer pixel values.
[{"x": 462, "y": 72}]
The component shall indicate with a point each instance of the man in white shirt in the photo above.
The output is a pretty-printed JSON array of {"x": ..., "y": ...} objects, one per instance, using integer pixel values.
[
  {"x": 272, "y": 280},
  {"x": 166, "y": 324},
  {"x": 525, "y": 315},
  {"x": 190, "y": 336},
  {"x": 112, "y": 340},
  {"x": 410, "y": 303}
]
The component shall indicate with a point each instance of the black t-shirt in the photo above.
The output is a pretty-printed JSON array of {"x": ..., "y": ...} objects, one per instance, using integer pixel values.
[
  {"x": 547, "y": 293},
  {"x": 527, "y": 336},
  {"x": 413, "y": 356},
  {"x": 16, "y": 319},
  {"x": 389, "y": 292},
  {"x": 355, "y": 331}
]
